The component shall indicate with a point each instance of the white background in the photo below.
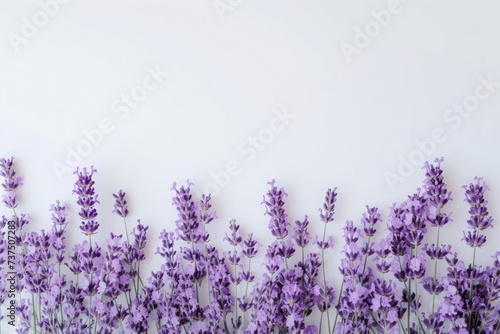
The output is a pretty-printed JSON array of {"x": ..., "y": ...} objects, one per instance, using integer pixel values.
[{"x": 228, "y": 73}]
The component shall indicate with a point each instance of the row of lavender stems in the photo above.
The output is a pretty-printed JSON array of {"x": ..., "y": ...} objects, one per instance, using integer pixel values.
[{"x": 383, "y": 278}]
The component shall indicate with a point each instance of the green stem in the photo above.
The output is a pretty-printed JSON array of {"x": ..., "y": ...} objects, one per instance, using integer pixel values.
[
  {"x": 469, "y": 313},
  {"x": 195, "y": 281},
  {"x": 366, "y": 259},
  {"x": 320, "y": 321},
  {"x": 116, "y": 306},
  {"x": 90, "y": 297},
  {"x": 126, "y": 230},
  {"x": 409, "y": 303},
  {"x": 60, "y": 304},
  {"x": 235, "y": 289},
  {"x": 34, "y": 312},
  {"x": 138, "y": 279},
  {"x": 208, "y": 283},
  {"x": 435, "y": 275},
  {"x": 324, "y": 280},
  {"x": 303, "y": 257},
  {"x": 408, "y": 287},
  {"x": 401, "y": 326}
]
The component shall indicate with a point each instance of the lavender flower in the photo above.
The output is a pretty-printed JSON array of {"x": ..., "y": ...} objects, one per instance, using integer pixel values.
[
  {"x": 301, "y": 234},
  {"x": 328, "y": 211},
  {"x": 167, "y": 251},
  {"x": 436, "y": 193},
  {"x": 189, "y": 228},
  {"x": 59, "y": 214},
  {"x": 278, "y": 223},
  {"x": 120, "y": 207},
  {"x": 11, "y": 182},
  {"x": 206, "y": 214},
  {"x": 480, "y": 218},
  {"x": 87, "y": 198}
]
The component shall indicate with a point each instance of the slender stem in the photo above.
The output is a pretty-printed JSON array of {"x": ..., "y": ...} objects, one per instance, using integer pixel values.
[
  {"x": 195, "y": 281},
  {"x": 338, "y": 301},
  {"x": 497, "y": 327},
  {"x": 116, "y": 306},
  {"x": 90, "y": 284},
  {"x": 409, "y": 303},
  {"x": 324, "y": 280},
  {"x": 320, "y": 321},
  {"x": 303, "y": 257},
  {"x": 283, "y": 245},
  {"x": 401, "y": 326},
  {"x": 249, "y": 266},
  {"x": 126, "y": 229},
  {"x": 435, "y": 275},
  {"x": 34, "y": 311},
  {"x": 208, "y": 282},
  {"x": 60, "y": 297},
  {"x": 469, "y": 313},
  {"x": 235, "y": 289},
  {"x": 409, "y": 290},
  {"x": 138, "y": 274},
  {"x": 366, "y": 259}
]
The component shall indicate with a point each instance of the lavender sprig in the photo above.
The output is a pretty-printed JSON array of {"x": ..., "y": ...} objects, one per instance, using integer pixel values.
[
  {"x": 436, "y": 195},
  {"x": 10, "y": 183},
  {"x": 326, "y": 216}
]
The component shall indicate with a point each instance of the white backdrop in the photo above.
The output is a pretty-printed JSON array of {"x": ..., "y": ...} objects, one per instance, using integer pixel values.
[{"x": 233, "y": 93}]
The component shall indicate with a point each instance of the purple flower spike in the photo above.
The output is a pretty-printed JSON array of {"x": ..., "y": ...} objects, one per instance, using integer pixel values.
[
  {"x": 436, "y": 193},
  {"x": 326, "y": 214},
  {"x": 274, "y": 203},
  {"x": 120, "y": 206},
  {"x": 206, "y": 214},
  {"x": 87, "y": 198},
  {"x": 235, "y": 238},
  {"x": 59, "y": 214},
  {"x": 250, "y": 247},
  {"x": 435, "y": 188},
  {"x": 189, "y": 228},
  {"x": 474, "y": 195},
  {"x": 479, "y": 216},
  {"x": 301, "y": 234},
  {"x": 369, "y": 219},
  {"x": 11, "y": 182}
]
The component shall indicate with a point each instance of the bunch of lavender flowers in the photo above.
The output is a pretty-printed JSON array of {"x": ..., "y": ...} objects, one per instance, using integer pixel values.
[
  {"x": 406, "y": 231},
  {"x": 353, "y": 305},
  {"x": 361, "y": 290},
  {"x": 476, "y": 287},
  {"x": 289, "y": 292},
  {"x": 198, "y": 288}
]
